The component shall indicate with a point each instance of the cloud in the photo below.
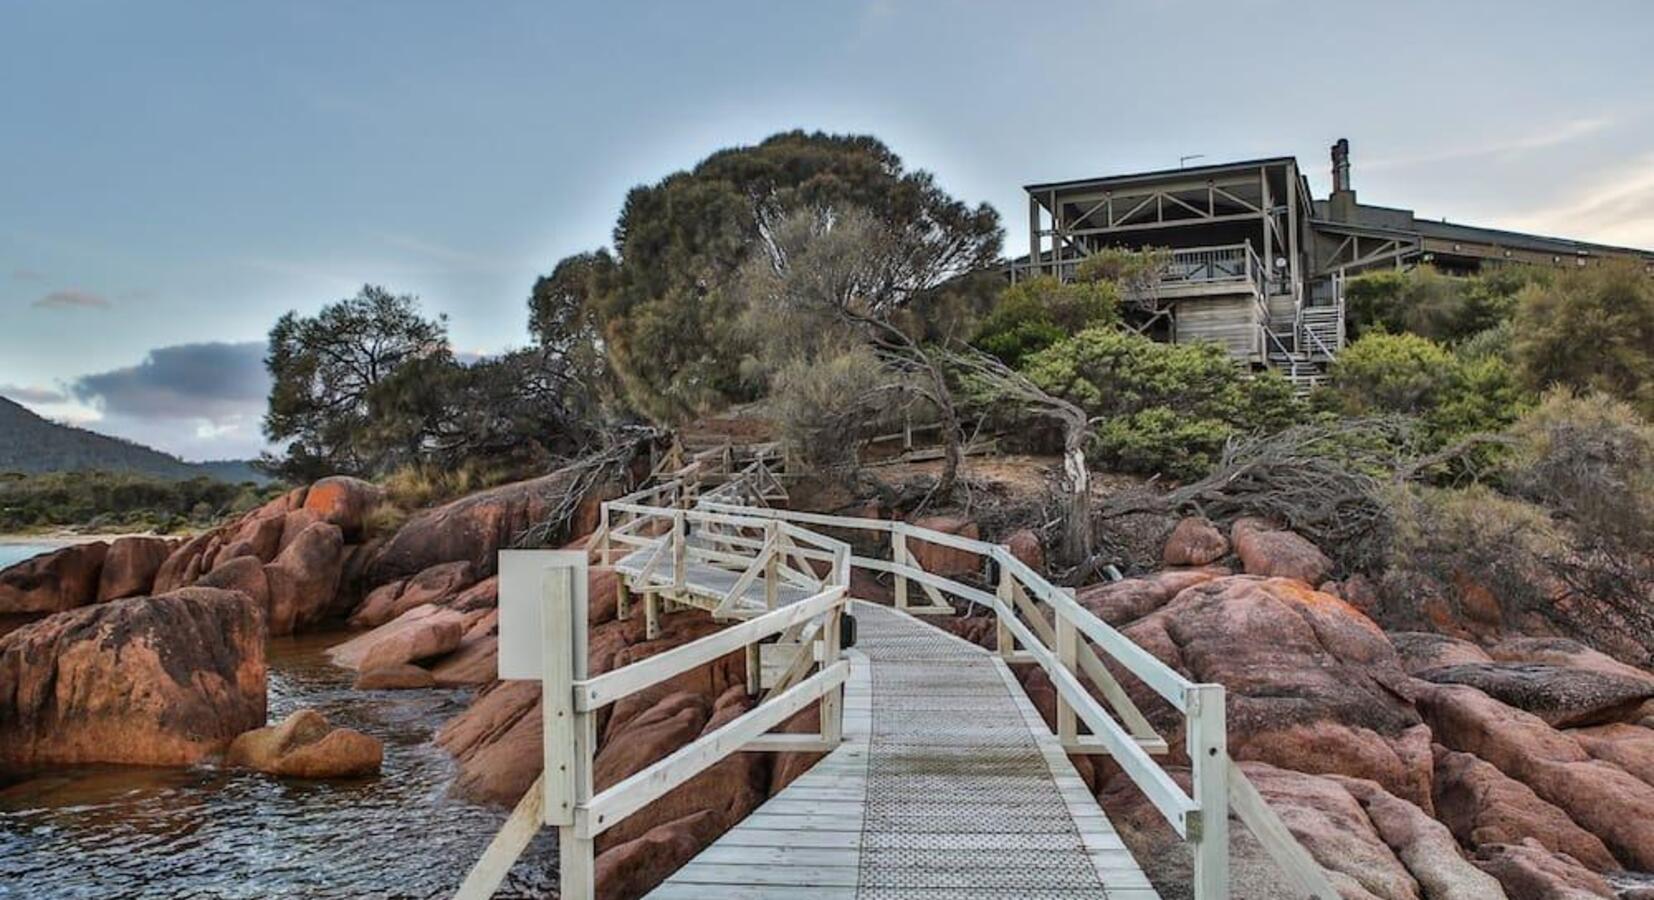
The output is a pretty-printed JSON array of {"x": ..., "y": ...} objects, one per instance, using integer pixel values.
[
  {"x": 73, "y": 299},
  {"x": 31, "y": 394},
  {"x": 1617, "y": 208},
  {"x": 1551, "y": 136},
  {"x": 199, "y": 401},
  {"x": 211, "y": 381},
  {"x": 27, "y": 275}
]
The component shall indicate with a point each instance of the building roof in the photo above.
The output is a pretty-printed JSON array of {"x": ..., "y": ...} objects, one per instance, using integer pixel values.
[
  {"x": 1516, "y": 240},
  {"x": 1158, "y": 174}
]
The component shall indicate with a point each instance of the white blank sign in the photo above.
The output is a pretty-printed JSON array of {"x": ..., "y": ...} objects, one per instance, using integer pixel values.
[{"x": 522, "y": 598}]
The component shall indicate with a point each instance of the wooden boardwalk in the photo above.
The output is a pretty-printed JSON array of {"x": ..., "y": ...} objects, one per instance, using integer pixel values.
[
  {"x": 948, "y": 785},
  {"x": 707, "y": 582}
]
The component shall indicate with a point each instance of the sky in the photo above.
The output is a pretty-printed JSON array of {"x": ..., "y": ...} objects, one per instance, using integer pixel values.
[{"x": 175, "y": 176}]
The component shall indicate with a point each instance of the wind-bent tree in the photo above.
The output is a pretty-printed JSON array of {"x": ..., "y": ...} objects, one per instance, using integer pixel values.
[
  {"x": 331, "y": 370},
  {"x": 664, "y": 304},
  {"x": 993, "y": 381},
  {"x": 825, "y": 283}
]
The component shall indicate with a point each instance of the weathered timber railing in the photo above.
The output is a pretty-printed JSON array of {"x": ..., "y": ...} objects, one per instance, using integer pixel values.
[
  {"x": 564, "y": 796},
  {"x": 1036, "y": 622},
  {"x": 1039, "y": 623}
]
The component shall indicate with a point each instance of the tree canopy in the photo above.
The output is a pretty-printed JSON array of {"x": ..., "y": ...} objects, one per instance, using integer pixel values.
[
  {"x": 1592, "y": 329},
  {"x": 329, "y": 371},
  {"x": 664, "y": 303}
]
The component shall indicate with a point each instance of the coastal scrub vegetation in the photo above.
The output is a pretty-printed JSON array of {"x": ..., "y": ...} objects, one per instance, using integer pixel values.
[
  {"x": 121, "y": 501},
  {"x": 816, "y": 281}
]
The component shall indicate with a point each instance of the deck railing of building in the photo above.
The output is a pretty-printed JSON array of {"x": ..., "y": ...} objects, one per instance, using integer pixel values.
[{"x": 1220, "y": 264}]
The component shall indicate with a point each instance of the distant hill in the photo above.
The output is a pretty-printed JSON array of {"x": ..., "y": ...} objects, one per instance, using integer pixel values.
[{"x": 31, "y": 444}]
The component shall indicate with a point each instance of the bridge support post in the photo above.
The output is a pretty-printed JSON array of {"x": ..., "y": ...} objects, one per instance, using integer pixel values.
[
  {"x": 1209, "y": 756},
  {"x": 651, "y": 615}
]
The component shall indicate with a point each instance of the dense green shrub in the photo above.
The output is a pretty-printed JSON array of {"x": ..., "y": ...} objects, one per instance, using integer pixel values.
[
  {"x": 1164, "y": 408},
  {"x": 1590, "y": 329},
  {"x": 1035, "y": 313},
  {"x": 1452, "y": 395},
  {"x": 1422, "y": 301}
]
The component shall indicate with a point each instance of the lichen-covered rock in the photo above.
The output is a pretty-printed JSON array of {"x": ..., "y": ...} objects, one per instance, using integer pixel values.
[
  {"x": 938, "y": 559},
  {"x": 1025, "y": 545},
  {"x": 345, "y": 502},
  {"x": 1269, "y": 551},
  {"x": 130, "y": 565},
  {"x": 1483, "y": 806},
  {"x": 421, "y": 633},
  {"x": 1335, "y": 829},
  {"x": 242, "y": 573},
  {"x": 161, "y": 680},
  {"x": 1358, "y": 591},
  {"x": 405, "y": 676},
  {"x": 54, "y": 581},
  {"x": 1123, "y": 602},
  {"x": 730, "y": 788},
  {"x": 1423, "y": 845},
  {"x": 476, "y": 659},
  {"x": 1312, "y": 684},
  {"x": 496, "y": 742},
  {"x": 304, "y": 745},
  {"x": 471, "y": 529},
  {"x": 1528, "y": 871},
  {"x": 1421, "y": 650},
  {"x": 1605, "y": 799},
  {"x": 1562, "y": 696},
  {"x": 439, "y": 585},
  {"x": 633, "y": 869},
  {"x": 1631, "y": 747},
  {"x": 303, "y": 578},
  {"x": 1565, "y": 653},
  {"x": 1195, "y": 542}
]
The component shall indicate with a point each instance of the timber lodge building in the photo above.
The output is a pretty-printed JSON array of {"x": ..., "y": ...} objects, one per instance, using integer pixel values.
[{"x": 1257, "y": 264}]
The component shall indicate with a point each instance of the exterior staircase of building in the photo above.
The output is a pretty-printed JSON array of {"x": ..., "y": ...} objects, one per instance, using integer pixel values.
[{"x": 1301, "y": 347}]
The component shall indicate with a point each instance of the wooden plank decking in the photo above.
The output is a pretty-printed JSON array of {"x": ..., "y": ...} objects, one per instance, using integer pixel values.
[
  {"x": 707, "y": 582},
  {"x": 948, "y": 785}
]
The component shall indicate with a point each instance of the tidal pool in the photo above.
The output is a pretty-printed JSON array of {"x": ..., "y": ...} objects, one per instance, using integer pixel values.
[{"x": 207, "y": 832}]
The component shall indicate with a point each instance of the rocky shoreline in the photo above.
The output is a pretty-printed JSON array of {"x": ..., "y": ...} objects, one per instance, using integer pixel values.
[{"x": 1412, "y": 764}]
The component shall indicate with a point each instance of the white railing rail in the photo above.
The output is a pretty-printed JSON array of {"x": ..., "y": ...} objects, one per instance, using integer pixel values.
[
  {"x": 1035, "y": 622},
  {"x": 564, "y": 795},
  {"x": 1039, "y": 623}
]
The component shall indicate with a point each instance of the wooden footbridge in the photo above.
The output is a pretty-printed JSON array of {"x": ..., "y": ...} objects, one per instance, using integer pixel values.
[{"x": 940, "y": 779}]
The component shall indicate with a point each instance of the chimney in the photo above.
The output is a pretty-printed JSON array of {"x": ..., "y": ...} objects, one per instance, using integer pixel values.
[{"x": 1341, "y": 205}]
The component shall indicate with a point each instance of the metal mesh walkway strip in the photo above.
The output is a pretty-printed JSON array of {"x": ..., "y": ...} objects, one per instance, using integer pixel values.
[{"x": 959, "y": 796}]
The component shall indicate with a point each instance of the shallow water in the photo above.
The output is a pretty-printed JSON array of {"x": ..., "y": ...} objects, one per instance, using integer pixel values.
[
  {"x": 17, "y": 552},
  {"x": 112, "y": 831}
]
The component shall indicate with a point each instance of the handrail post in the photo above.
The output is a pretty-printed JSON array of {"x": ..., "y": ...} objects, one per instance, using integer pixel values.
[
  {"x": 569, "y": 734},
  {"x": 898, "y": 555},
  {"x": 680, "y": 551},
  {"x": 831, "y": 710},
  {"x": 1068, "y": 652},
  {"x": 603, "y": 535},
  {"x": 1209, "y": 758},
  {"x": 772, "y": 566},
  {"x": 1004, "y": 644}
]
